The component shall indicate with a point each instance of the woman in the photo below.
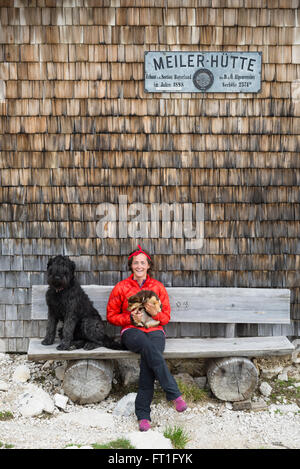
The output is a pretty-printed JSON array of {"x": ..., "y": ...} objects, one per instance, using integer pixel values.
[{"x": 150, "y": 343}]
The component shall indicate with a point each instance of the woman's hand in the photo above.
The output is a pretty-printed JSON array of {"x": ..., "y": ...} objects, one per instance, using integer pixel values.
[
  {"x": 137, "y": 315},
  {"x": 151, "y": 309}
]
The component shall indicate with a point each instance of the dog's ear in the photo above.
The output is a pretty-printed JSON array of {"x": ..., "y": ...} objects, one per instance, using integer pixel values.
[{"x": 50, "y": 262}]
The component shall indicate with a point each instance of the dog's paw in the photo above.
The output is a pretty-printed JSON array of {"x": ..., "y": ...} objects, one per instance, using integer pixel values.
[
  {"x": 63, "y": 346},
  {"x": 135, "y": 323},
  {"x": 90, "y": 346},
  {"x": 47, "y": 342}
]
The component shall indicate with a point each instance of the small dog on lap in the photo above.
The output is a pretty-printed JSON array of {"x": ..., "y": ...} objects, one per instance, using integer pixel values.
[
  {"x": 138, "y": 302},
  {"x": 67, "y": 302}
]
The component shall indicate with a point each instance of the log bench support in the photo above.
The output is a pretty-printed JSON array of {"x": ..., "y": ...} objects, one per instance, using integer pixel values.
[
  {"x": 231, "y": 374},
  {"x": 88, "y": 381},
  {"x": 232, "y": 379}
]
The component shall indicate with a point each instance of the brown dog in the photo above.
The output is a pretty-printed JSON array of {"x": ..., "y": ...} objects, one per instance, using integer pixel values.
[{"x": 138, "y": 302}]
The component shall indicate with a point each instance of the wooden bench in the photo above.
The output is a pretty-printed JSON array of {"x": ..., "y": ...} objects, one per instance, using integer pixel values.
[{"x": 231, "y": 373}]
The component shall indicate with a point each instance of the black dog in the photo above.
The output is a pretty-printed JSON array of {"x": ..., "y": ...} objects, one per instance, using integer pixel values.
[{"x": 67, "y": 302}]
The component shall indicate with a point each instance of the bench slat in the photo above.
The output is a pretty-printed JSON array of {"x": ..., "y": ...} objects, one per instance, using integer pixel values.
[
  {"x": 175, "y": 348},
  {"x": 195, "y": 304}
]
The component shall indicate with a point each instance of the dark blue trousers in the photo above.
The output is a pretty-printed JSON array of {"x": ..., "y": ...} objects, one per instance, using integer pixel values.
[{"x": 150, "y": 345}]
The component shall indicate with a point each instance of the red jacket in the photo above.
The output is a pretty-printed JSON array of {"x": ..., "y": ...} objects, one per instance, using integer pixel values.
[{"x": 116, "y": 311}]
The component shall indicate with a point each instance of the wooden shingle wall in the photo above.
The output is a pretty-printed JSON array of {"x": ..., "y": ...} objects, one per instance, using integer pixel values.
[{"x": 77, "y": 129}]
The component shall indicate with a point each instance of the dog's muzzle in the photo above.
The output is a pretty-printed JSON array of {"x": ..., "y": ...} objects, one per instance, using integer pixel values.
[{"x": 57, "y": 283}]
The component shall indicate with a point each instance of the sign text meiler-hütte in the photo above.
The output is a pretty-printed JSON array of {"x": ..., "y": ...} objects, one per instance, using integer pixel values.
[{"x": 196, "y": 72}]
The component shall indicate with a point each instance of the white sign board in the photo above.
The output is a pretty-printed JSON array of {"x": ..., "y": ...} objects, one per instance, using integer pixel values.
[{"x": 203, "y": 72}]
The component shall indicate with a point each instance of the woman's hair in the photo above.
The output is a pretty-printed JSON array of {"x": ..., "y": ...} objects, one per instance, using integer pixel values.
[{"x": 150, "y": 262}]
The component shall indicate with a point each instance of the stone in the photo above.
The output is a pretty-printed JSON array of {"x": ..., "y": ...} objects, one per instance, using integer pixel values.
[
  {"x": 149, "y": 440},
  {"x": 129, "y": 370},
  {"x": 201, "y": 382},
  {"x": 21, "y": 374},
  {"x": 270, "y": 373},
  {"x": 60, "y": 372},
  {"x": 185, "y": 378},
  {"x": 258, "y": 405},
  {"x": 283, "y": 376},
  {"x": 60, "y": 401},
  {"x": 293, "y": 372},
  {"x": 47, "y": 365},
  {"x": 192, "y": 366},
  {"x": 296, "y": 343},
  {"x": 265, "y": 389},
  {"x": 88, "y": 418},
  {"x": 284, "y": 408},
  {"x": 34, "y": 401},
  {"x": 126, "y": 405},
  {"x": 241, "y": 405},
  {"x": 3, "y": 386}
]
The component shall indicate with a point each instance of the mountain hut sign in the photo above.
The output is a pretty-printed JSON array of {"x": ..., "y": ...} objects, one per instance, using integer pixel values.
[{"x": 203, "y": 72}]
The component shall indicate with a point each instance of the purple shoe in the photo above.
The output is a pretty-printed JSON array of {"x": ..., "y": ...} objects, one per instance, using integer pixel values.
[
  {"x": 180, "y": 404},
  {"x": 144, "y": 425}
]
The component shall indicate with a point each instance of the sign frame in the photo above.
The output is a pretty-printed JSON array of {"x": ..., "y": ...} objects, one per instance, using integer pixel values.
[{"x": 202, "y": 72}]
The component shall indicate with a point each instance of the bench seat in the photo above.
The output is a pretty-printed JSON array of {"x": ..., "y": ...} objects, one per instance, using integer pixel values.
[
  {"x": 175, "y": 348},
  {"x": 231, "y": 373}
]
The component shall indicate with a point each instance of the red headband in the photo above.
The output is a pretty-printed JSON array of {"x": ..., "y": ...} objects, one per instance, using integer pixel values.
[{"x": 139, "y": 251}]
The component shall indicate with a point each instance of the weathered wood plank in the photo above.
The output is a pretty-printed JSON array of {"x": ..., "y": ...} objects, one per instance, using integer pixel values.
[
  {"x": 175, "y": 348},
  {"x": 212, "y": 305}
]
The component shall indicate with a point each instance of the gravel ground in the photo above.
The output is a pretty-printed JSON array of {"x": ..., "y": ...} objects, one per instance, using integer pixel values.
[{"x": 211, "y": 424}]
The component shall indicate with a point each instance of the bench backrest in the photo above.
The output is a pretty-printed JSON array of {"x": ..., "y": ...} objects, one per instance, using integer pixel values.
[{"x": 199, "y": 304}]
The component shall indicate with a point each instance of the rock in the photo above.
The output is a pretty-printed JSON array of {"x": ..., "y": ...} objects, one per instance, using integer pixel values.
[
  {"x": 265, "y": 389},
  {"x": 125, "y": 406},
  {"x": 185, "y": 378},
  {"x": 21, "y": 374},
  {"x": 241, "y": 405},
  {"x": 270, "y": 373},
  {"x": 259, "y": 405},
  {"x": 60, "y": 401},
  {"x": 284, "y": 408},
  {"x": 192, "y": 366},
  {"x": 293, "y": 372},
  {"x": 3, "y": 386},
  {"x": 283, "y": 376},
  {"x": 149, "y": 440},
  {"x": 47, "y": 365},
  {"x": 60, "y": 372},
  {"x": 129, "y": 370},
  {"x": 34, "y": 401},
  {"x": 295, "y": 358},
  {"x": 88, "y": 418},
  {"x": 201, "y": 382}
]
